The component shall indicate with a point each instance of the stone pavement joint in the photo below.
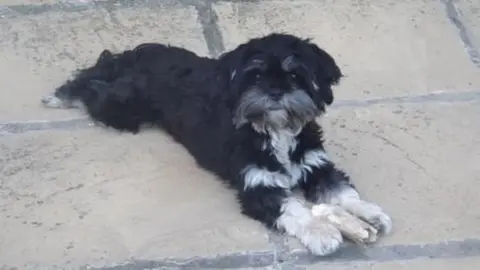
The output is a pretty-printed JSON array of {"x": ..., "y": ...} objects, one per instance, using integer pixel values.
[
  {"x": 280, "y": 247},
  {"x": 455, "y": 18},
  {"x": 443, "y": 250},
  {"x": 211, "y": 31},
  {"x": 76, "y": 123},
  {"x": 22, "y": 127},
  {"x": 439, "y": 96}
]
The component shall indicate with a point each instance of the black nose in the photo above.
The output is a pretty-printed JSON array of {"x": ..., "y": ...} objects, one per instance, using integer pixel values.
[{"x": 276, "y": 95}]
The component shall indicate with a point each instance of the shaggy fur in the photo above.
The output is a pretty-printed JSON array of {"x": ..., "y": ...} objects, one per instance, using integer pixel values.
[{"x": 249, "y": 117}]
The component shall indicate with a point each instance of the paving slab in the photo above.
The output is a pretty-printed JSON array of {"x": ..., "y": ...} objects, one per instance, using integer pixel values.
[
  {"x": 40, "y": 49},
  {"x": 95, "y": 196},
  {"x": 417, "y": 161},
  {"x": 73, "y": 195},
  {"x": 98, "y": 197},
  {"x": 464, "y": 264},
  {"x": 386, "y": 48}
]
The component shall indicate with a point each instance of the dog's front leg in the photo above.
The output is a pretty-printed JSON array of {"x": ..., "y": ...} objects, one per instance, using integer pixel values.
[
  {"x": 278, "y": 210},
  {"x": 328, "y": 185}
]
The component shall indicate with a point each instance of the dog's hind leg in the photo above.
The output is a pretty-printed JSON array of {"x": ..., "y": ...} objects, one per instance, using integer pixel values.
[
  {"x": 73, "y": 93},
  {"x": 63, "y": 99},
  {"x": 110, "y": 93}
]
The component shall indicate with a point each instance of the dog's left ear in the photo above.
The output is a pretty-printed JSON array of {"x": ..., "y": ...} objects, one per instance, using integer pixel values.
[
  {"x": 326, "y": 73},
  {"x": 231, "y": 64}
]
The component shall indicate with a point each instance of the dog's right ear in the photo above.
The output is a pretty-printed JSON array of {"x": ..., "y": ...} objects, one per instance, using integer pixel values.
[
  {"x": 106, "y": 55},
  {"x": 326, "y": 72}
]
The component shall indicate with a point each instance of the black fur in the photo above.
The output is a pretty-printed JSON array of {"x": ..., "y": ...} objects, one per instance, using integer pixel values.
[{"x": 196, "y": 100}]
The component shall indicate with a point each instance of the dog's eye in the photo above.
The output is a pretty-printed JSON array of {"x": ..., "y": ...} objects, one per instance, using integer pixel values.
[
  {"x": 293, "y": 76},
  {"x": 257, "y": 76}
]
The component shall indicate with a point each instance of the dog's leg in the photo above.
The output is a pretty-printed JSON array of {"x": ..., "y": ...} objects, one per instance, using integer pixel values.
[
  {"x": 328, "y": 185},
  {"x": 110, "y": 100},
  {"x": 278, "y": 210},
  {"x": 63, "y": 98}
]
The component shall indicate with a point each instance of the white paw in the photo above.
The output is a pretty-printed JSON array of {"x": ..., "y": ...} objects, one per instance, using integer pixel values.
[
  {"x": 350, "y": 226},
  {"x": 52, "y": 101},
  {"x": 321, "y": 237},
  {"x": 380, "y": 221},
  {"x": 372, "y": 214}
]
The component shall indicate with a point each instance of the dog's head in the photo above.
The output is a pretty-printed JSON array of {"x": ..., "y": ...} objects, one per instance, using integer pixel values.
[{"x": 280, "y": 81}]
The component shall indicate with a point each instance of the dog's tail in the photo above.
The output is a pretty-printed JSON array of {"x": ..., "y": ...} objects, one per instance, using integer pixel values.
[{"x": 110, "y": 92}]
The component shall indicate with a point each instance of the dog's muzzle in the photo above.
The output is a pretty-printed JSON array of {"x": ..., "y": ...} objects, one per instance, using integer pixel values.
[{"x": 275, "y": 110}]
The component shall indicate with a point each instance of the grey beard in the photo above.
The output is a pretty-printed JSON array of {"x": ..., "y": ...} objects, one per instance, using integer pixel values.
[{"x": 293, "y": 111}]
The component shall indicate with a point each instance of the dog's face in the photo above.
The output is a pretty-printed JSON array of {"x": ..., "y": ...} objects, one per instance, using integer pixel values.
[{"x": 280, "y": 82}]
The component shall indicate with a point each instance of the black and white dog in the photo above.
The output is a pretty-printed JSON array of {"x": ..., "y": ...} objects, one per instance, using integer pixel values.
[{"x": 248, "y": 116}]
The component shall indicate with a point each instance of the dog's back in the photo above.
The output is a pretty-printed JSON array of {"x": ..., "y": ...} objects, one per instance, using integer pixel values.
[{"x": 134, "y": 87}]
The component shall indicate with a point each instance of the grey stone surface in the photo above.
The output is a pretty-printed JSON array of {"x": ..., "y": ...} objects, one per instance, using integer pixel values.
[
  {"x": 386, "y": 48},
  {"x": 417, "y": 161},
  {"x": 404, "y": 125},
  {"x": 72, "y": 198},
  {"x": 39, "y": 51},
  {"x": 68, "y": 191}
]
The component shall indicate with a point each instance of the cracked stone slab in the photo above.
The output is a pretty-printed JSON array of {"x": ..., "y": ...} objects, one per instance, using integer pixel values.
[
  {"x": 98, "y": 197},
  {"x": 417, "y": 161},
  {"x": 469, "y": 14},
  {"x": 385, "y": 48},
  {"x": 464, "y": 264},
  {"x": 39, "y": 51},
  {"x": 101, "y": 197}
]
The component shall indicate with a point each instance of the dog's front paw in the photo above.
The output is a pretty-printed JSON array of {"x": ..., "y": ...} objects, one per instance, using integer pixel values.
[
  {"x": 349, "y": 225},
  {"x": 380, "y": 221},
  {"x": 321, "y": 237},
  {"x": 372, "y": 214}
]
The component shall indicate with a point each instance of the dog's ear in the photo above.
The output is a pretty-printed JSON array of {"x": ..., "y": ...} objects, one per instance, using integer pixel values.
[
  {"x": 325, "y": 71},
  {"x": 229, "y": 71},
  {"x": 231, "y": 63}
]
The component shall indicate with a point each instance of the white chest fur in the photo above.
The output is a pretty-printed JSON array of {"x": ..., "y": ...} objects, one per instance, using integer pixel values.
[{"x": 281, "y": 145}]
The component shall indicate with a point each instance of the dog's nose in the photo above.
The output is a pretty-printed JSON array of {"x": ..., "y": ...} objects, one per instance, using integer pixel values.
[{"x": 276, "y": 95}]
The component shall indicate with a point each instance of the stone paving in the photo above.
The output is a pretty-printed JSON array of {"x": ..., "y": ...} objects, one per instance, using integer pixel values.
[{"x": 405, "y": 125}]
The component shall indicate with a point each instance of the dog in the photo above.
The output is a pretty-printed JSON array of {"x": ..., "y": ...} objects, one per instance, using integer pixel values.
[{"x": 248, "y": 117}]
